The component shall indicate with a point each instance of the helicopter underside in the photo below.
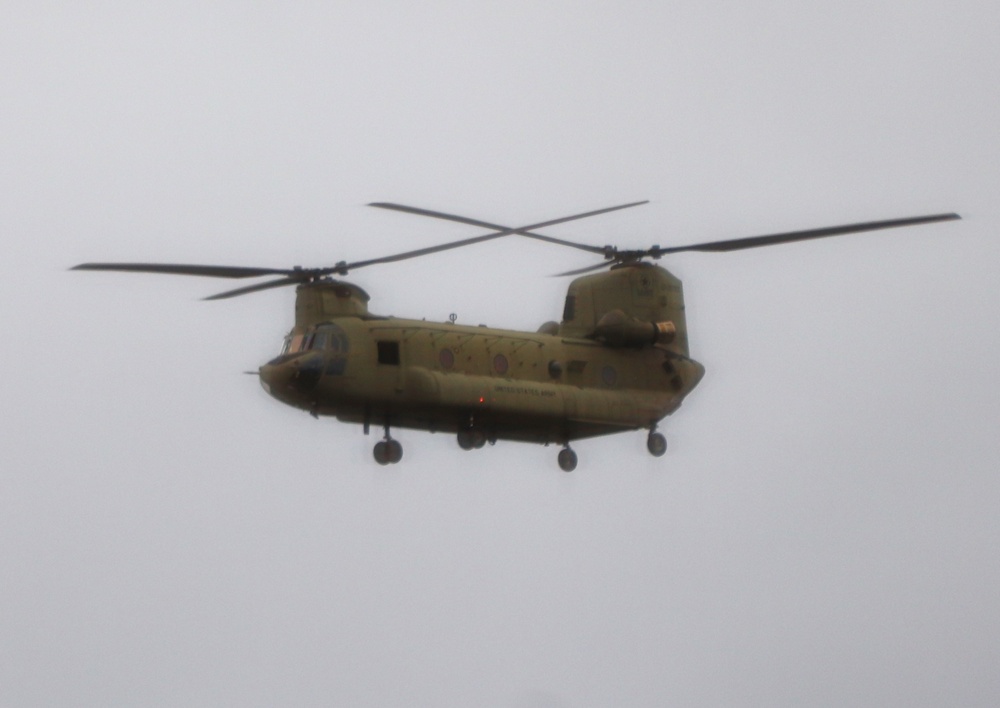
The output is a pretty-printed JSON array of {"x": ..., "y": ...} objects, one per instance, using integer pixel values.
[
  {"x": 478, "y": 415},
  {"x": 543, "y": 430},
  {"x": 473, "y": 430}
]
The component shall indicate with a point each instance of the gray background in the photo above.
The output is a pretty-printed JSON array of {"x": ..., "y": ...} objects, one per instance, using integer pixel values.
[{"x": 824, "y": 529}]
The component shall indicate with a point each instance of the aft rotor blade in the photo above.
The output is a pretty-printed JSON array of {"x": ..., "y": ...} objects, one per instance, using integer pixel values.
[
  {"x": 588, "y": 269},
  {"x": 505, "y": 230},
  {"x": 178, "y": 269},
  {"x": 773, "y": 239},
  {"x": 345, "y": 267},
  {"x": 255, "y": 288}
]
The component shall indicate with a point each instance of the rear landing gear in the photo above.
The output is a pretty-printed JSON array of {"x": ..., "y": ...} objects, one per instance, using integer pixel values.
[
  {"x": 388, "y": 451},
  {"x": 567, "y": 459},
  {"x": 656, "y": 443}
]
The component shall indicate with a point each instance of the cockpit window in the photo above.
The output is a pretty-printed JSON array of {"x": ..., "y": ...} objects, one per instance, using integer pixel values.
[
  {"x": 328, "y": 337},
  {"x": 293, "y": 344},
  {"x": 334, "y": 338},
  {"x": 317, "y": 340}
]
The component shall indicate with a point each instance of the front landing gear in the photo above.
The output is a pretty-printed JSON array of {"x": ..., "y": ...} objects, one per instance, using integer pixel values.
[
  {"x": 656, "y": 443},
  {"x": 388, "y": 451},
  {"x": 567, "y": 459}
]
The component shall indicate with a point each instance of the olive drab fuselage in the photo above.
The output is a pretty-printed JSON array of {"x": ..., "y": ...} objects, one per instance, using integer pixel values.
[{"x": 618, "y": 361}]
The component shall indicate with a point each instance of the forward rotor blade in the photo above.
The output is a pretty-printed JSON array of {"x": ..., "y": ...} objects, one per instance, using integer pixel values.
[
  {"x": 255, "y": 288},
  {"x": 506, "y": 230},
  {"x": 177, "y": 269},
  {"x": 296, "y": 275},
  {"x": 772, "y": 239}
]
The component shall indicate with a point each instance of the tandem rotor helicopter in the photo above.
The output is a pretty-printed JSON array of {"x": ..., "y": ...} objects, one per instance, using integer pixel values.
[{"x": 618, "y": 361}]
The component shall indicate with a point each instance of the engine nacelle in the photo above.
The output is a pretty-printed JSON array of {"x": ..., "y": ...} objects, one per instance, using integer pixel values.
[
  {"x": 645, "y": 292},
  {"x": 617, "y": 329}
]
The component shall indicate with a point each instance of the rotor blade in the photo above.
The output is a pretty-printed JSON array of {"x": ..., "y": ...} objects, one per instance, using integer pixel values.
[
  {"x": 588, "y": 269},
  {"x": 174, "y": 269},
  {"x": 345, "y": 267},
  {"x": 772, "y": 239},
  {"x": 255, "y": 288},
  {"x": 434, "y": 214},
  {"x": 523, "y": 231}
]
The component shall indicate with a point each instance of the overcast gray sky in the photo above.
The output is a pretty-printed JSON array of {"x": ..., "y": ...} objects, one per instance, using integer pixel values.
[{"x": 824, "y": 528}]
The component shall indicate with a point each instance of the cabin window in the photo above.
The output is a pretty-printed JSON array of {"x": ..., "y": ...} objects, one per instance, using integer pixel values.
[
  {"x": 569, "y": 311},
  {"x": 388, "y": 353}
]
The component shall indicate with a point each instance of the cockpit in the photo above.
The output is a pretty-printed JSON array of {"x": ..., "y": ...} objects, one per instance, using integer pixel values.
[
  {"x": 328, "y": 337},
  {"x": 303, "y": 342}
]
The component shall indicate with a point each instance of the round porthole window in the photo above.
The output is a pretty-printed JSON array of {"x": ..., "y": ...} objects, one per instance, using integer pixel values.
[
  {"x": 500, "y": 364},
  {"x": 447, "y": 358}
]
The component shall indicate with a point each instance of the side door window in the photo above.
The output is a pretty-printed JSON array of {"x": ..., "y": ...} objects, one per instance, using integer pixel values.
[{"x": 388, "y": 353}]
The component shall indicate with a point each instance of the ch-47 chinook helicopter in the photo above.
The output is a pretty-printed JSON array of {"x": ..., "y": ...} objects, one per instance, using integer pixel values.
[{"x": 618, "y": 361}]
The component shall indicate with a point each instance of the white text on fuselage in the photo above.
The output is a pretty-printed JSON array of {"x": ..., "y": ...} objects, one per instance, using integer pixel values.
[{"x": 525, "y": 391}]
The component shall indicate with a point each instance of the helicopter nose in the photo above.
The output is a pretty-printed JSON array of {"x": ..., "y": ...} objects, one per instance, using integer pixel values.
[
  {"x": 306, "y": 374},
  {"x": 270, "y": 378},
  {"x": 298, "y": 375}
]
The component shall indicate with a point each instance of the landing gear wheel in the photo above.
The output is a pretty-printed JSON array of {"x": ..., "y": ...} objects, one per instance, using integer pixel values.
[
  {"x": 381, "y": 453},
  {"x": 567, "y": 460},
  {"x": 387, "y": 451},
  {"x": 656, "y": 444},
  {"x": 469, "y": 438}
]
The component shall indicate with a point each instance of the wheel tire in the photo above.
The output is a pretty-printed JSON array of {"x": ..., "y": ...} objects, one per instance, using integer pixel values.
[
  {"x": 465, "y": 439},
  {"x": 478, "y": 439},
  {"x": 394, "y": 451},
  {"x": 656, "y": 444},
  {"x": 381, "y": 453},
  {"x": 567, "y": 460}
]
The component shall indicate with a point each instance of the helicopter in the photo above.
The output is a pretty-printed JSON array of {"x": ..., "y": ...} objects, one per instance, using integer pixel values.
[{"x": 617, "y": 361}]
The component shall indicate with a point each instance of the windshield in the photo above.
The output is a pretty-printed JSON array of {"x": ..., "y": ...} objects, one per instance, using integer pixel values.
[
  {"x": 293, "y": 344},
  {"x": 326, "y": 337}
]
